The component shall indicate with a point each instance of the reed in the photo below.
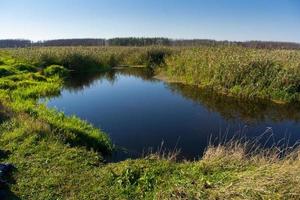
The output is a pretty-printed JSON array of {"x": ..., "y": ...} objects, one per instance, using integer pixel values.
[{"x": 237, "y": 71}]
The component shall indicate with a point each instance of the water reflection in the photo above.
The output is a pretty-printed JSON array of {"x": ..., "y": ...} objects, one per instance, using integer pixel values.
[
  {"x": 229, "y": 107},
  {"x": 79, "y": 81},
  {"x": 139, "y": 112},
  {"x": 238, "y": 109}
]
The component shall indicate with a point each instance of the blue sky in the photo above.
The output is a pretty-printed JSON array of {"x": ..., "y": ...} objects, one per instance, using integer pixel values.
[{"x": 276, "y": 20}]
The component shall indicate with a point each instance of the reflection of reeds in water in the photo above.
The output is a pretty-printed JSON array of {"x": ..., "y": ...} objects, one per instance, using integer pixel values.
[
  {"x": 231, "y": 108},
  {"x": 79, "y": 81}
]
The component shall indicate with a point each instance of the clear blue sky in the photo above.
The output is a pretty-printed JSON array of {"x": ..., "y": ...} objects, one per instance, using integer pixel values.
[{"x": 276, "y": 20}]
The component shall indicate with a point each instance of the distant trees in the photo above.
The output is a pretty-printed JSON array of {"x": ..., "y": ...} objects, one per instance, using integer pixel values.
[
  {"x": 14, "y": 43},
  {"x": 270, "y": 45},
  {"x": 134, "y": 41},
  {"x": 72, "y": 42}
]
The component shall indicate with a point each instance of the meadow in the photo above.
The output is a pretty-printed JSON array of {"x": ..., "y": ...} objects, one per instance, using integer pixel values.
[{"x": 62, "y": 157}]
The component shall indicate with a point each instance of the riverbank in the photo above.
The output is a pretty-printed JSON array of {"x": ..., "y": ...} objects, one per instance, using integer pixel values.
[{"x": 60, "y": 157}]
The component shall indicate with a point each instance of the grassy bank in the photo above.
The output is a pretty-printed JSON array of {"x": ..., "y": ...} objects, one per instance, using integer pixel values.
[
  {"x": 237, "y": 71},
  {"x": 48, "y": 168},
  {"x": 29, "y": 130},
  {"x": 61, "y": 157}
]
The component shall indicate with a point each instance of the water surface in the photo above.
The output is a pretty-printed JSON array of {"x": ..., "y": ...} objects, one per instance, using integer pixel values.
[{"x": 141, "y": 113}]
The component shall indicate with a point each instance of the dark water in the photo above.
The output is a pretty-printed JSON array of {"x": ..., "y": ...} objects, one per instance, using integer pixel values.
[{"x": 140, "y": 113}]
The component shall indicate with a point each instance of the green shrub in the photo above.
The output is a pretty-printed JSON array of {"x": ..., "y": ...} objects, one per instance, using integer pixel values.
[
  {"x": 156, "y": 57},
  {"x": 47, "y": 59},
  {"x": 55, "y": 70},
  {"x": 113, "y": 61},
  {"x": 79, "y": 62}
]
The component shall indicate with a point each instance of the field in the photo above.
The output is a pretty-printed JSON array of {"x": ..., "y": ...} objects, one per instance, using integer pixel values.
[{"x": 61, "y": 157}]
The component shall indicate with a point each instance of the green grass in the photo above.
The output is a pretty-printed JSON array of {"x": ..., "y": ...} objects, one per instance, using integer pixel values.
[
  {"x": 92, "y": 58},
  {"x": 55, "y": 70},
  {"x": 61, "y": 157},
  {"x": 47, "y": 168},
  {"x": 240, "y": 72},
  {"x": 21, "y": 91}
]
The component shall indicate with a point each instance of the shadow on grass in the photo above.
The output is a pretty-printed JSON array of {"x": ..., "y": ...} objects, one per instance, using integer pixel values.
[
  {"x": 6, "y": 178},
  {"x": 8, "y": 195}
]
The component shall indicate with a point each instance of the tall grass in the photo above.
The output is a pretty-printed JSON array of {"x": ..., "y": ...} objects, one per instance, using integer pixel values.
[
  {"x": 92, "y": 58},
  {"x": 236, "y": 71},
  {"x": 250, "y": 73}
]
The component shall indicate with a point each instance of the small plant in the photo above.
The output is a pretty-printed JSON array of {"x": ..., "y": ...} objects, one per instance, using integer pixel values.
[{"x": 55, "y": 70}]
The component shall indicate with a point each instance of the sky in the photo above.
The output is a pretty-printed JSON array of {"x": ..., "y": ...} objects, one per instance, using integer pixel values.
[{"x": 235, "y": 20}]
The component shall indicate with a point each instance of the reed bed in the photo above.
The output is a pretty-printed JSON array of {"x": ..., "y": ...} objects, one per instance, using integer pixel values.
[
  {"x": 237, "y": 71},
  {"x": 92, "y": 58},
  {"x": 230, "y": 70}
]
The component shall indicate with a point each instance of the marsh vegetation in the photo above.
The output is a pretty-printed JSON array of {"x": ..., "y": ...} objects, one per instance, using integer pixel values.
[{"x": 62, "y": 156}]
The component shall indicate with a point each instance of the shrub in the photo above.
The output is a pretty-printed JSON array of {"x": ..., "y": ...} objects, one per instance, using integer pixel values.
[
  {"x": 113, "y": 61},
  {"x": 55, "y": 70},
  {"x": 46, "y": 60},
  {"x": 156, "y": 57},
  {"x": 79, "y": 62}
]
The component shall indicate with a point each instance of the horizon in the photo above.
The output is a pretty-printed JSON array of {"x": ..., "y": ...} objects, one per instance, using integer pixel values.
[
  {"x": 173, "y": 39},
  {"x": 255, "y": 20}
]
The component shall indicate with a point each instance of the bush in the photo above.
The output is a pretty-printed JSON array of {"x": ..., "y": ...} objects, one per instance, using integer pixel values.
[
  {"x": 47, "y": 59},
  {"x": 55, "y": 70},
  {"x": 80, "y": 62},
  {"x": 113, "y": 61},
  {"x": 156, "y": 57}
]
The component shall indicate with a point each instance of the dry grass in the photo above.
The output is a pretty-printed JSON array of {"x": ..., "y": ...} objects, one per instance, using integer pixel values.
[{"x": 259, "y": 173}]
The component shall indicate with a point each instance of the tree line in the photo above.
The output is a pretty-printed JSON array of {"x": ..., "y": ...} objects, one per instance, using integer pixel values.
[{"x": 134, "y": 41}]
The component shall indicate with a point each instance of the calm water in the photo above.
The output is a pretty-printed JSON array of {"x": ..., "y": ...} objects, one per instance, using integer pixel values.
[{"x": 140, "y": 113}]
